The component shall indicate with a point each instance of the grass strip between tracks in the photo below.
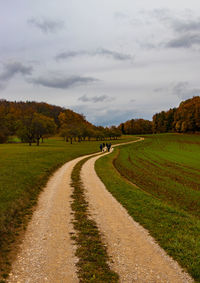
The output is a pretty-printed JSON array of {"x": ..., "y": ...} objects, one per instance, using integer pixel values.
[{"x": 93, "y": 258}]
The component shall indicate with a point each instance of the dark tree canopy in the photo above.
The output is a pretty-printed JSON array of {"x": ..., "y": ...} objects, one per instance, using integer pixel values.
[
  {"x": 136, "y": 127},
  {"x": 185, "y": 118}
]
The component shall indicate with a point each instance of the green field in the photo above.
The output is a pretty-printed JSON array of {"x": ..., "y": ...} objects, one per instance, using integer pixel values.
[
  {"x": 24, "y": 170},
  {"x": 166, "y": 200}
]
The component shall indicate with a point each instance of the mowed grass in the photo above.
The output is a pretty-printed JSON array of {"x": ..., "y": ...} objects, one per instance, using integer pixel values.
[
  {"x": 24, "y": 171},
  {"x": 166, "y": 169}
]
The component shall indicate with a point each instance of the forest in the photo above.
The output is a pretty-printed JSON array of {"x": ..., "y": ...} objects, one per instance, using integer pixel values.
[
  {"x": 184, "y": 119},
  {"x": 33, "y": 121}
]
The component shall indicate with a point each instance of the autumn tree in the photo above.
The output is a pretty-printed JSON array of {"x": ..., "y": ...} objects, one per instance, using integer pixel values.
[
  {"x": 185, "y": 118},
  {"x": 114, "y": 132},
  {"x": 35, "y": 126},
  {"x": 71, "y": 125},
  {"x": 4, "y": 132},
  {"x": 136, "y": 126},
  {"x": 43, "y": 126}
]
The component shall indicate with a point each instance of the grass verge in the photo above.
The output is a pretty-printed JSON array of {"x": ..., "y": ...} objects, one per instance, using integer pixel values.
[
  {"x": 93, "y": 258},
  {"x": 176, "y": 230}
]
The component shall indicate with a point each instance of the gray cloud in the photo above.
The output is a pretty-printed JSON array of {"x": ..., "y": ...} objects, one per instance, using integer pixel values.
[
  {"x": 115, "y": 55},
  {"x": 100, "y": 98},
  {"x": 120, "y": 16},
  {"x": 98, "y": 52},
  {"x": 186, "y": 31},
  {"x": 63, "y": 83},
  {"x": 70, "y": 54},
  {"x": 46, "y": 25},
  {"x": 185, "y": 41},
  {"x": 10, "y": 69},
  {"x": 186, "y": 25},
  {"x": 184, "y": 91},
  {"x": 163, "y": 15}
]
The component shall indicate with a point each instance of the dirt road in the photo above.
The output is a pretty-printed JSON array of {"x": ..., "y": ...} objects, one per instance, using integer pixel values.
[{"x": 47, "y": 252}]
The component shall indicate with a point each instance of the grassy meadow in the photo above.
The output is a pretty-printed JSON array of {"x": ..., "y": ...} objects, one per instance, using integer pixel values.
[
  {"x": 165, "y": 199},
  {"x": 24, "y": 171}
]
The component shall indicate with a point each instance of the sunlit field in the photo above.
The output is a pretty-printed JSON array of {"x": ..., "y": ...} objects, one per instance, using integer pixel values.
[{"x": 166, "y": 198}]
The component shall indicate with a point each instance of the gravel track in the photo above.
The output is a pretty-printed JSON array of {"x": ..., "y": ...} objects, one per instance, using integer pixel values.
[{"x": 47, "y": 251}]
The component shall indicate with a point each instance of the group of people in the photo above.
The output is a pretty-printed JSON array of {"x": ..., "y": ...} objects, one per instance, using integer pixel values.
[{"x": 104, "y": 146}]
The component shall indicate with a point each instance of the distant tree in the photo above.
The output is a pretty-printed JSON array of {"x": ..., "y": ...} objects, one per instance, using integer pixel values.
[
  {"x": 35, "y": 126},
  {"x": 114, "y": 132},
  {"x": 121, "y": 128},
  {"x": 136, "y": 126},
  {"x": 42, "y": 126},
  {"x": 4, "y": 132},
  {"x": 164, "y": 121},
  {"x": 25, "y": 129},
  {"x": 74, "y": 126}
]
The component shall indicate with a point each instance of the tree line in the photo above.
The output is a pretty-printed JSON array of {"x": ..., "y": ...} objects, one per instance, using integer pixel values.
[
  {"x": 32, "y": 121},
  {"x": 184, "y": 119}
]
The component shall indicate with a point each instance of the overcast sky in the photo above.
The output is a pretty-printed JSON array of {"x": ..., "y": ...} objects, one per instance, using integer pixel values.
[{"x": 111, "y": 60}]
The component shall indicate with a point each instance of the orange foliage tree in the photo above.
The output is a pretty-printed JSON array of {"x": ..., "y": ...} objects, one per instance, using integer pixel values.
[{"x": 185, "y": 118}]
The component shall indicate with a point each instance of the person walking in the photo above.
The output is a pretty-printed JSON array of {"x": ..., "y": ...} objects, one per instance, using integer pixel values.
[
  {"x": 101, "y": 147},
  {"x": 109, "y": 147}
]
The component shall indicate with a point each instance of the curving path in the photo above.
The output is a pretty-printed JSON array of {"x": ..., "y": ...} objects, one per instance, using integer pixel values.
[
  {"x": 47, "y": 252},
  {"x": 135, "y": 255}
]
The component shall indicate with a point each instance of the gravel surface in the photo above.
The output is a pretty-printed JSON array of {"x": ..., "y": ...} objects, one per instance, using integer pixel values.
[
  {"x": 135, "y": 255},
  {"x": 47, "y": 252}
]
